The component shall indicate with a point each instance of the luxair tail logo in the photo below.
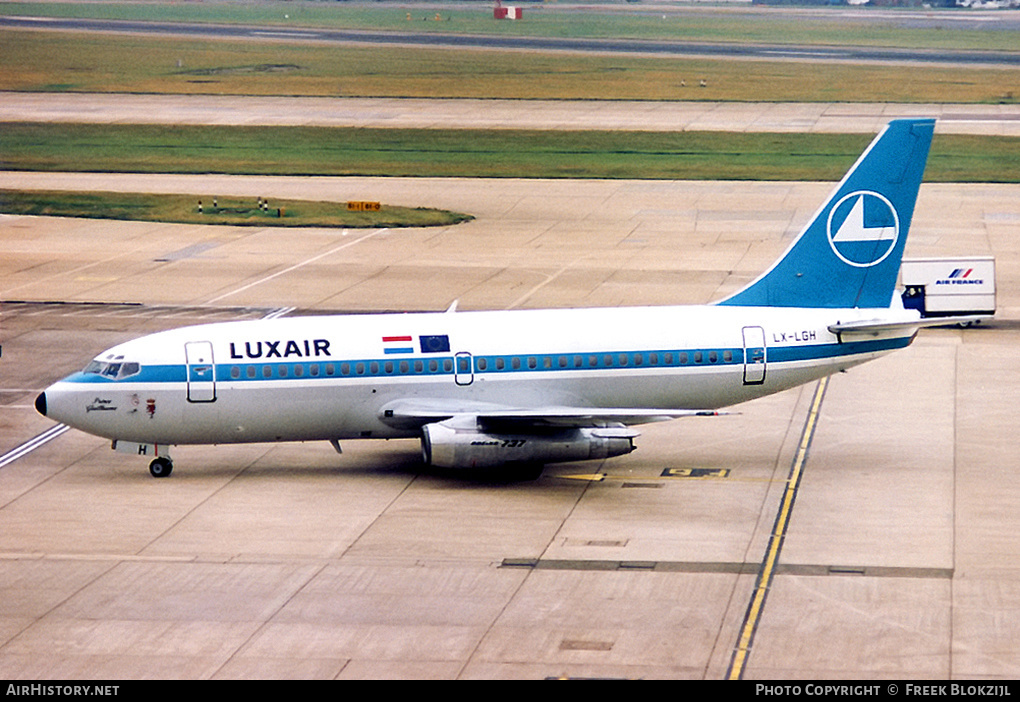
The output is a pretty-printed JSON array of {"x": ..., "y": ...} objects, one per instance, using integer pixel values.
[{"x": 863, "y": 228}]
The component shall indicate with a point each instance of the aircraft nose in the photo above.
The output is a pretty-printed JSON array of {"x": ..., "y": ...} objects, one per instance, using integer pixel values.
[{"x": 40, "y": 404}]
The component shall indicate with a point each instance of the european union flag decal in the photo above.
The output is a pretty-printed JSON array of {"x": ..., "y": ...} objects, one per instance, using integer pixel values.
[{"x": 437, "y": 343}]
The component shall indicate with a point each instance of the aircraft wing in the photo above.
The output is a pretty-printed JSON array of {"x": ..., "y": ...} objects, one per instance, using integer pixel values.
[{"x": 410, "y": 413}]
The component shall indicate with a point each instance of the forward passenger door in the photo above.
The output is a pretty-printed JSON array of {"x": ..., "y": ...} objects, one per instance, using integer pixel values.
[{"x": 201, "y": 371}]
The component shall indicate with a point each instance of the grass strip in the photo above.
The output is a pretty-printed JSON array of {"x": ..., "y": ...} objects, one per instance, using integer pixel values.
[
  {"x": 82, "y": 62},
  {"x": 199, "y": 209},
  {"x": 478, "y": 153}
]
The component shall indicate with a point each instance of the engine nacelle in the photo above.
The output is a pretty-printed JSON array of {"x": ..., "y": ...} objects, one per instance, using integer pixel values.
[{"x": 449, "y": 446}]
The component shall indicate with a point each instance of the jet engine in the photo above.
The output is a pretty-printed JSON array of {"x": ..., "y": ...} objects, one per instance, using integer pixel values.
[{"x": 447, "y": 445}]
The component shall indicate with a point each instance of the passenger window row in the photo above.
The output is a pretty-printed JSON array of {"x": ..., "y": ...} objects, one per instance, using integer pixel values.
[
  {"x": 602, "y": 360},
  {"x": 353, "y": 368},
  {"x": 483, "y": 364}
]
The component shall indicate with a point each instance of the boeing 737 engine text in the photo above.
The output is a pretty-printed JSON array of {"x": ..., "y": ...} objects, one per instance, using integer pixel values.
[{"x": 524, "y": 388}]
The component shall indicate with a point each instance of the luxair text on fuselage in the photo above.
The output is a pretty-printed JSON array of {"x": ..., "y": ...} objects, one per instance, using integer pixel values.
[{"x": 284, "y": 348}]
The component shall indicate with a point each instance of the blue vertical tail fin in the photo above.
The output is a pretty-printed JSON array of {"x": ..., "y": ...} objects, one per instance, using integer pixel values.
[{"x": 849, "y": 254}]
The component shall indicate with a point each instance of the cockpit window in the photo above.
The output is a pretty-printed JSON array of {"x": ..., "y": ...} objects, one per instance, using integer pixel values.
[{"x": 114, "y": 369}]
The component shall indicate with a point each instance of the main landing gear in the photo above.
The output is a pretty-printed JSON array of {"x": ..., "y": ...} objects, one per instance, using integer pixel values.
[{"x": 161, "y": 467}]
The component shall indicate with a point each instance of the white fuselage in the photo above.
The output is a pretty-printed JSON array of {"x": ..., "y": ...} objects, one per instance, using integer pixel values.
[{"x": 332, "y": 377}]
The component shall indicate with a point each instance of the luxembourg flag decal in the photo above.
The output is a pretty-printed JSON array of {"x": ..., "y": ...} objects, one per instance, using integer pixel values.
[{"x": 397, "y": 344}]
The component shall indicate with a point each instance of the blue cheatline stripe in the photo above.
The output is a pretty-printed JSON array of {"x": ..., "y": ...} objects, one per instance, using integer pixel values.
[
  {"x": 399, "y": 349},
  {"x": 781, "y": 354},
  {"x": 254, "y": 370}
]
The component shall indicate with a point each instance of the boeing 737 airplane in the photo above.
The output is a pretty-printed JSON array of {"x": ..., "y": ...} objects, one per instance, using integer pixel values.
[{"x": 525, "y": 388}]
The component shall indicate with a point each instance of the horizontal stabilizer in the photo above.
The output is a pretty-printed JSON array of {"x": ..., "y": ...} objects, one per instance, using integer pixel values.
[{"x": 878, "y": 326}]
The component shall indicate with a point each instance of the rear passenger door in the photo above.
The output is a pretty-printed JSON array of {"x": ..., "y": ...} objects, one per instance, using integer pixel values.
[{"x": 754, "y": 356}]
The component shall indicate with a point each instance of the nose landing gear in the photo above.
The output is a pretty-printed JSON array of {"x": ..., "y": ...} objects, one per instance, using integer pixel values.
[{"x": 161, "y": 467}]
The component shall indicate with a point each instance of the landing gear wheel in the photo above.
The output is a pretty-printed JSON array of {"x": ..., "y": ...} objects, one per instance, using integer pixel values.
[{"x": 161, "y": 467}]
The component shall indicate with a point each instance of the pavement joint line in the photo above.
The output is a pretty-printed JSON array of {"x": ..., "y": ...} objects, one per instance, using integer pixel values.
[
  {"x": 296, "y": 266},
  {"x": 730, "y": 567}
]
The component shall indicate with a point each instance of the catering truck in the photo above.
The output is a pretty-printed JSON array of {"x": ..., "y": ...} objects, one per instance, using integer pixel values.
[{"x": 950, "y": 287}]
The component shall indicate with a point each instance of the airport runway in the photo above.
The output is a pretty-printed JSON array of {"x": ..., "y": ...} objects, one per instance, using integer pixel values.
[
  {"x": 291, "y": 561},
  {"x": 869, "y": 118},
  {"x": 745, "y": 50}
]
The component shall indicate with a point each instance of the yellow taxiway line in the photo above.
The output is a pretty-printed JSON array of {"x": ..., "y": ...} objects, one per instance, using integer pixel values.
[{"x": 775, "y": 546}]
